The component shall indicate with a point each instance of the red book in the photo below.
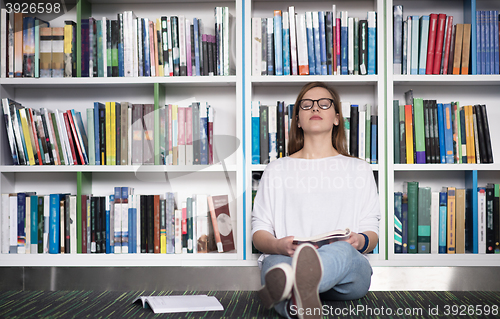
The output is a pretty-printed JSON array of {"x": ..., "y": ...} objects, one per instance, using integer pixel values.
[
  {"x": 338, "y": 45},
  {"x": 68, "y": 129},
  {"x": 447, "y": 44},
  {"x": 35, "y": 136},
  {"x": 75, "y": 136},
  {"x": 156, "y": 226},
  {"x": 441, "y": 25},
  {"x": 334, "y": 54},
  {"x": 84, "y": 224},
  {"x": 432, "y": 43}
]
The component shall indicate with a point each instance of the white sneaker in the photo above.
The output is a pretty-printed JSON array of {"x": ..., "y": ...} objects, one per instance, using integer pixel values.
[
  {"x": 308, "y": 273},
  {"x": 278, "y": 286}
]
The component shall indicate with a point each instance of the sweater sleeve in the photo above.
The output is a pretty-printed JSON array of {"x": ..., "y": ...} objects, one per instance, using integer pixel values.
[
  {"x": 370, "y": 209},
  {"x": 263, "y": 214}
]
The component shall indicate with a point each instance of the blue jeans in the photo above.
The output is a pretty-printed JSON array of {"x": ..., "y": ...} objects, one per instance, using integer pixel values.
[{"x": 346, "y": 273}]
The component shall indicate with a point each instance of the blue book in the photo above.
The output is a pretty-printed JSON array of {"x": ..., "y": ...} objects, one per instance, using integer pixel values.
[
  {"x": 132, "y": 228},
  {"x": 322, "y": 43},
  {"x": 21, "y": 219},
  {"x": 374, "y": 127},
  {"x": 97, "y": 145},
  {"x": 278, "y": 43},
  {"x": 121, "y": 66},
  {"x": 448, "y": 133},
  {"x": 344, "y": 33},
  {"x": 34, "y": 224},
  {"x": 109, "y": 246},
  {"x": 203, "y": 135},
  {"x": 375, "y": 250},
  {"x": 372, "y": 42},
  {"x": 495, "y": 42},
  {"x": 196, "y": 46},
  {"x": 478, "y": 43},
  {"x": 488, "y": 39},
  {"x": 424, "y": 39},
  {"x": 255, "y": 132},
  {"x": 85, "y": 48},
  {"x": 317, "y": 46},
  {"x": 286, "y": 44},
  {"x": 404, "y": 222},
  {"x": 146, "y": 55},
  {"x": 398, "y": 225},
  {"x": 443, "y": 215},
  {"x": 415, "y": 30},
  {"x": 310, "y": 43},
  {"x": 483, "y": 39},
  {"x": 442, "y": 153},
  {"x": 54, "y": 225}
]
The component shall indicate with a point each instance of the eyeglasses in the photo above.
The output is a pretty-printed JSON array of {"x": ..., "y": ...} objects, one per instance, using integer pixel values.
[{"x": 324, "y": 103}]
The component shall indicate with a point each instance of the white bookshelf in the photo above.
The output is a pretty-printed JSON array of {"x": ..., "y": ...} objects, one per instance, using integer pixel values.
[
  {"x": 224, "y": 93},
  {"x": 468, "y": 90},
  {"x": 356, "y": 89}
]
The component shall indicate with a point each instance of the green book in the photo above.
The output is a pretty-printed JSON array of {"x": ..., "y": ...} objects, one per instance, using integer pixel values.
[
  {"x": 396, "y": 136},
  {"x": 424, "y": 220},
  {"x": 418, "y": 108},
  {"x": 412, "y": 217}
]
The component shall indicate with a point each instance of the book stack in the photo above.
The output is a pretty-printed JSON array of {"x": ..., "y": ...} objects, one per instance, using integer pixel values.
[
  {"x": 119, "y": 223},
  {"x": 426, "y": 131},
  {"x": 487, "y": 38},
  {"x": 115, "y": 134},
  {"x": 446, "y": 222},
  {"x": 314, "y": 43},
  {"x": 121, "y": 47},
  {"x": 430, "y": 44},
  {"x": 271, "y": 124}
]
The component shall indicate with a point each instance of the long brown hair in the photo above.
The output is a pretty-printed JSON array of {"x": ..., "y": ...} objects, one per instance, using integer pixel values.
[{"x": 296, "y": 135}]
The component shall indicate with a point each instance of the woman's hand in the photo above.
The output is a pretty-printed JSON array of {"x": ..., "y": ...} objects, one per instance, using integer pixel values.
[
  {"x": 356, "y": 240},
  {"x": 285, "y": 246}
]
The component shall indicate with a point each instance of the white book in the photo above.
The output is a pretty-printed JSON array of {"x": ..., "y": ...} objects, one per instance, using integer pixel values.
[
  {"x": 5, "y": 224},
  {"x": 181, "y": 136},
  {"x": 170, "y": 53},
  {"x": 27, "y": 225},
  {"x": 128, "y": 49},
  {"x": 302, "y": 49},
  {"x": 225, "y": 38},
  {"x": 104, "y": 48},
  {"x": 481, "y": 220},
  {"x": 73, "y": 225},
  {"x": 64, "y": 133},
  {"x": 211, "y": 156},
  {"x": 46, "y": 216},
  {"x": 350, "y": 47},
  {"x": 178, "y": 231},
  {"x": 52, "y": 135},
  {"x": 181, "y": 303},
  {"x": 409, "y": 46},
  {"x": 361, "y": 132},
  {"x": 435, "y": 223},
  {"x": 13, "y": 224},
  {"x": 182, "y": 45},
  {"x": 11, "y": 44},
  {"x": 3, "y": 43},
  {"x": 219, "y": 22},
  {"x": 127, "y": 193},
  {"x": 273, "y": 131},
  {"x": 195, "y": 238},
  {"x": 61, "y": 139},
  {"x": 137, "y": 204},
  {"x": 189, "y": 136},
  {"x": 293, "y": 41},
  {"x": 256, "y": 46},
  {"x": 368, "y": 133},
  {"x": 117, "y": 221},
  {"x": 135, "y": 49},
  {"x": 129, "y": 131},
  {"x": 346, "y": 113},
  {"x": 201, "y": 222},
  {"x": 189, "y": 57}
]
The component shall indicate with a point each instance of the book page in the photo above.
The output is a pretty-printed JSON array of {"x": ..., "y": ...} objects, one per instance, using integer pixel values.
[{"x": 184, "y": 303}]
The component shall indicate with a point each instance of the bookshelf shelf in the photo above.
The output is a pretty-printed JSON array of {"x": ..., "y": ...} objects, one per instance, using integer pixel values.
[
  {"x": 445, "y": 260},
  {"x": 118, "y": 168},
  {"x": 303, "y": 79},
  {"x": 262, "y": 167},
  {"x": 460, "y": 80},
  {"x": 445, "y": 167}
]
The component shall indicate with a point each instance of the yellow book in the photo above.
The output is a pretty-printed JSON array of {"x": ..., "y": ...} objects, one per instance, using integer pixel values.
[
  {"x": 451, "y": 233},
  {"x": 460, "y": 221},
  {"x": 160, "y": 67},
  {"x": 471, "y": 136},
  {"x": 113, "y": 133},
  {"x": 175, "y": 131},
  {"x": 27, "y": 136},
  {"x": 68, "y": 39},
  {"x": 108, "y": 133},
  {"x": 409, "y": 134}
]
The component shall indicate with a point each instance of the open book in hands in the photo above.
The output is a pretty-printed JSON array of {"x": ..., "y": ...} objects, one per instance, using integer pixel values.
[{"x": 324, "y": 239}]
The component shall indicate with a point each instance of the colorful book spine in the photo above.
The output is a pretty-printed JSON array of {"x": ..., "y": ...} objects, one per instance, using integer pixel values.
[
  {"x": 372, "y": 42},
  {"x": 286, "y": 44},
  {"x": 448, "y": 133},
  {"x": 344, "y": 42},
  {"x": 310, "y": 43},
  {"x": 451, "y": 226},
  {"x": 443, "y": 216}
]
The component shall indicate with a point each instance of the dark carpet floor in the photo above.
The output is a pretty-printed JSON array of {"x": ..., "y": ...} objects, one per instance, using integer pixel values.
[{"x": 246, "y": 304}]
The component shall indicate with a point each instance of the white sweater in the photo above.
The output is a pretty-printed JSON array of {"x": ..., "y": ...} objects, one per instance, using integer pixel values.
[{"x": 306, "y": 197}]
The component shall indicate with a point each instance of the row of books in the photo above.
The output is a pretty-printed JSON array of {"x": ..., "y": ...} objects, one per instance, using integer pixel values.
[
  {"x": 487, "y": 38},
  {"x": 271, "y": 124},
  {"x": 127, "y": 46},
  {"x": 361, "y": 127},
  {"x": 314, "y": 43},
  {"x": 445, "y": 222},
  {"x": 429, "y": 132},
  {"x": 430, "y": 44},
  {"x": 115, "y": 134},
  {"x": 118, "y": 223}
]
